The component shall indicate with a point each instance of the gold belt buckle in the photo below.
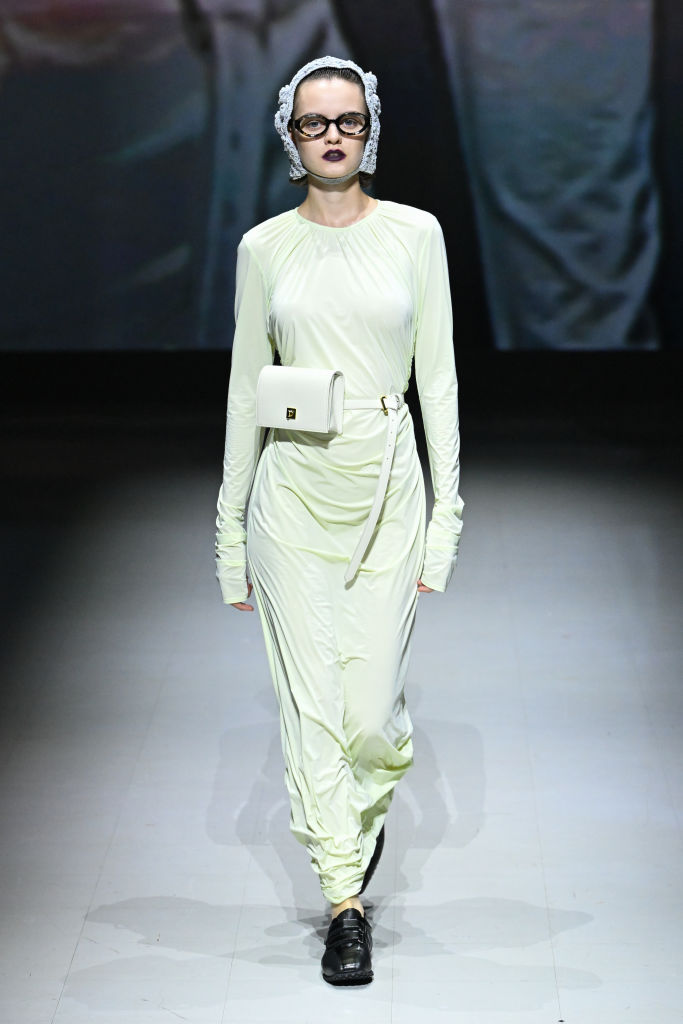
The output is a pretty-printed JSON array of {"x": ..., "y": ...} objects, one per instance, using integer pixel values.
[{"x": 384, "y": 406}]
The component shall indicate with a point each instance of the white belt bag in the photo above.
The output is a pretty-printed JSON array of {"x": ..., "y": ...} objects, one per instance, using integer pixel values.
[{"x": 301, "y": 398}]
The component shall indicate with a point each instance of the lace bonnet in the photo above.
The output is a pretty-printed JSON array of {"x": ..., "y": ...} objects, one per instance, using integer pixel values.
[{"x": 286, "y": 104}]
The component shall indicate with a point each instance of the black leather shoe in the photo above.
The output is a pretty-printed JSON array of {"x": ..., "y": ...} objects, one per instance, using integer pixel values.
[
  {"x": 346, "y": 960},
  {"x": 374, "y": 860}
]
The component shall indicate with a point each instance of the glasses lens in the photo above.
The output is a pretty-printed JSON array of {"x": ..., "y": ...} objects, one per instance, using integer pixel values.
[
  {"x": 312, "y": 125},
  {"x": 352, "y": 124}
]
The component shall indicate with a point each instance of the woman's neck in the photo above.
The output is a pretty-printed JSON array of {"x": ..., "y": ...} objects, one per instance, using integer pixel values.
[{"x": 336, "y": 207}]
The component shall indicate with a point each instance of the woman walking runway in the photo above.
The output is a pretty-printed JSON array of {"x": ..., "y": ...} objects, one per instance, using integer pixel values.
[{"x": 349, "y": 283}]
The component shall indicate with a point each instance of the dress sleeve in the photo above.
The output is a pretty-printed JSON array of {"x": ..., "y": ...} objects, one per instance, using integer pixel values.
[
  {"x": 438, "y": 390},
  {"x": 252, "y": 348}
]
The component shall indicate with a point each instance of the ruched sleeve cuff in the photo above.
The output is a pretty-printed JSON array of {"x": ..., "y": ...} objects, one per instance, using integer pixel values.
[
  {"x": 231, "y": 565},
  {"x": 443, "y": 538}
]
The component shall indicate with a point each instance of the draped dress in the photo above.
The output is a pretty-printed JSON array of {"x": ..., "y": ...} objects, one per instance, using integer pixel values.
[{"x": 371, "y": 299}]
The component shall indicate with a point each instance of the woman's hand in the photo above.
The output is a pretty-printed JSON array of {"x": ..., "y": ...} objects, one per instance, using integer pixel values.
[
  {"x": 242, "y": 606},
  {"x": 424, "y": 590}
]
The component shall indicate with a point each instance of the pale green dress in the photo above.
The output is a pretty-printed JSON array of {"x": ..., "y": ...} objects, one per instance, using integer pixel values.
[{"x": 365, "y": 299}]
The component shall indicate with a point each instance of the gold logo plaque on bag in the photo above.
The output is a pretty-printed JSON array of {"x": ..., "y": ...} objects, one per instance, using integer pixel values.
[{"x": 291, "y": 413}]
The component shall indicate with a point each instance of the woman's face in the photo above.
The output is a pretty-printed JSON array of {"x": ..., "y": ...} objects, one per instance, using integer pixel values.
[{"x": 332, "y": 155}]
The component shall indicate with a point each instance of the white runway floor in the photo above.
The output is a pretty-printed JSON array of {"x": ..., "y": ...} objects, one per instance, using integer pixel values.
[{"x": 533, "y": 871}]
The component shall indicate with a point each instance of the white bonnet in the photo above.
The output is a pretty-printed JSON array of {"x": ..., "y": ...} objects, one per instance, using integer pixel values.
[{"x": 286, "y": 104}]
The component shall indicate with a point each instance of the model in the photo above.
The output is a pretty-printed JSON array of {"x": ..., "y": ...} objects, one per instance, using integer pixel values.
[{"x": 344, "y": 282}]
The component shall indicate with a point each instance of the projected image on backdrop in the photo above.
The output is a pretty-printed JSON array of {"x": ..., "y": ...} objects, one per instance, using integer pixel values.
[{"x": 138, "y": 146}]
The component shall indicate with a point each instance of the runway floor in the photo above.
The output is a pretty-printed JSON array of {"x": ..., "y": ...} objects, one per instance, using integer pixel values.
[{"x": 533, "y": 871}]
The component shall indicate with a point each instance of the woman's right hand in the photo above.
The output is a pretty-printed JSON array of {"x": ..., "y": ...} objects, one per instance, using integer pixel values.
[{"x": 242, "y": 606}]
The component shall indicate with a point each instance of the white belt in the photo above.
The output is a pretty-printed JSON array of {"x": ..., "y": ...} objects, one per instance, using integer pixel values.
[{"x": 389, "y": 404}]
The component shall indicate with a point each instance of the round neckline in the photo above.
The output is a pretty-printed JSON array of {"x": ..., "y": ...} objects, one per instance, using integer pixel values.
[{"x": 342, "y": 227}]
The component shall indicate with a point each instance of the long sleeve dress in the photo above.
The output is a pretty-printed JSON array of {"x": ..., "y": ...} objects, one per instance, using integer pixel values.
[{"x": 366, "y": 299}]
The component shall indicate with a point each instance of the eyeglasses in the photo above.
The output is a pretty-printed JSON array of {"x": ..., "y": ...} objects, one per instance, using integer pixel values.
[{"x": 314, "y": 126}]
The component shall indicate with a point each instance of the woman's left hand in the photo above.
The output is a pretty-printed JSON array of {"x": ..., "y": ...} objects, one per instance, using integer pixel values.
[{"x": 424, "y": 590}]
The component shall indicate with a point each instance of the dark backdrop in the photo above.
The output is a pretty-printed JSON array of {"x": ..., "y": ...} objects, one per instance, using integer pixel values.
[{"x": 138, "y": 145}]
